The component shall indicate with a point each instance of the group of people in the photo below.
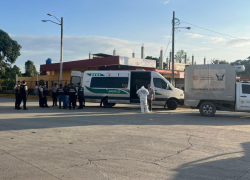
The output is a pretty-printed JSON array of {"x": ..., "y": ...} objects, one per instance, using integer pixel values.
[
  {"x": 21, "y": 93},
  {"x": 146, "y": 98},
  {"x": 67, "y": 95}
]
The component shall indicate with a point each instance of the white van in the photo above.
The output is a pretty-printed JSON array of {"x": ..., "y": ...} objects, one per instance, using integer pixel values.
[{"x": 112, "y": 87}]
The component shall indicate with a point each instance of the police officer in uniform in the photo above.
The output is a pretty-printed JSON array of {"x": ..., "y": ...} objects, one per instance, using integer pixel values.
[
  {"x": 80, "y": 95},
  {"x": 61, "y": 95},
  {"x": 24, "y": 94},
  {"x": 72, "y": 96},
  {"x": 44, "y": 93},
  {"x": 18, "y": 96}
]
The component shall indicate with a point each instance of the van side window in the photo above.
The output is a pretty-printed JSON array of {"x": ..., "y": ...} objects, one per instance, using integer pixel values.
[
  {"x": 159, "y": 83},
  {"x": 109, "y": 82},
  {"x": 99, "y": 82},
  {"x": 117, "y": 82},
  {"x": 245, "y": 89}
]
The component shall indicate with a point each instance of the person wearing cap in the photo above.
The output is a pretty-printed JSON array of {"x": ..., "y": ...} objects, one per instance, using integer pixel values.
[
  {"x": 17, "y": 95},
  {"x": 61, "y": 95},
  {"x": 23, "y": 94},
  {"x": 80, "y": 95},
  {"x": 54, "y": 94},
  {"x": 44, "y": 93},
  {"x": 72, "y": 96}
]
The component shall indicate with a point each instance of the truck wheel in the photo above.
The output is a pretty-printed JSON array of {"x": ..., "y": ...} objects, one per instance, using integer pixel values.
[
  {"x": 172, "y": 104},
  {"x": 207, "y": 109},
  {"x": 106, "y": 104}
]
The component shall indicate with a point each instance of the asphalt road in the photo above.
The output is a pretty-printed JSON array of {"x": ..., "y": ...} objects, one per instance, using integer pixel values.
[{"x": 121, "y": 143}]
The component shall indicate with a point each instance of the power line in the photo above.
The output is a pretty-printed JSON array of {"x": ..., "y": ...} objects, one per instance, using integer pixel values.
[
  {"x": 215, "y": 31},
  {"x": 211, "y": 47},
  {"x": 167, "y": 46}
]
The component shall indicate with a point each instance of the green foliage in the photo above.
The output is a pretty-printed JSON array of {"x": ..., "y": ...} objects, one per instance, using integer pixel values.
[
  {"x": 9, "y": 77},
  {"x": 246, "y": 63},
  {"x": 217, "y": 61},
  {"x": 30, "y": 69},
  {"x": 9, "y": 51},
  {"x": 154, "y": 58}
]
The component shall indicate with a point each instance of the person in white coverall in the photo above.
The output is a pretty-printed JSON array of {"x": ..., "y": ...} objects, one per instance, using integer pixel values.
[{"x": 142, "y": 92}]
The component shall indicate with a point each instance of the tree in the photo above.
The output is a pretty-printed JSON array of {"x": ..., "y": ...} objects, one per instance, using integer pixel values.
[
  {"x": 9, "y": 51},
  {"x": 30, "y": 69},
  {"x": 217, "y": 61},
  {"x": 154, "y": 58},
  {"x": 9, "y": 76}
]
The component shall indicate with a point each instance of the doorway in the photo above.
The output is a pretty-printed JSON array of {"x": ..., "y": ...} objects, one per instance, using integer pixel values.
[{"x": 138, "y": 79}]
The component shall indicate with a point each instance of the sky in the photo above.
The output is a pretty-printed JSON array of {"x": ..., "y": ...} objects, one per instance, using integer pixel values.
[{"x": 99, "y": 26}]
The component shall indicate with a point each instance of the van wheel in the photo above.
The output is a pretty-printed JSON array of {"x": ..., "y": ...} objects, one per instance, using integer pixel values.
[
  {"x": 207, "y": 109},
  {"x": 106, "y": 104},
  {"x": 172, "y": 104}
]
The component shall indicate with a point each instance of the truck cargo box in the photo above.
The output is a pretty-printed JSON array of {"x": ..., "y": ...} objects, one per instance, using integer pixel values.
[{"x": 209, "y": 82}]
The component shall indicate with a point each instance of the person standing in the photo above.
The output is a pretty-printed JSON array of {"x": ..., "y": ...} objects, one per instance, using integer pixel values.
[
  {"x": 80, "y": 95},
  {"x": 37, "y": 90},
  {"x": 150, "y": 97},
  {"x": 54, "y": 94},
  {"x": 24, "y": 94},
  {"x": 44, "y": 93},
  {"x": 17, "y": 95},
  {"x": 61, "y": 95},
  {"x": 40, "y": 95},
  {"x": 142, "y": 92},
  {"x": 72, "y": 96},
  {"x": 66, "y": 92}
]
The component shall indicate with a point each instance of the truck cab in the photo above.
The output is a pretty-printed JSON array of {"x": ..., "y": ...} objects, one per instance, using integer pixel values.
[{"x": 242, "y": 96}]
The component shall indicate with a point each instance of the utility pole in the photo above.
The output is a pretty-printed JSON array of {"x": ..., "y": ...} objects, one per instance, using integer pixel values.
[
  {"x": 61, "y": 63},
  {"x": 173, "y": 30}
]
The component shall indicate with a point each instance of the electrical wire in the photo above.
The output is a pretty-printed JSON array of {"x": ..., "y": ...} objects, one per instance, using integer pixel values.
[
  {"x": 212, "y": 47},
  {"x": 215, "y": 31},
  {"x": 167, "y": 46}
]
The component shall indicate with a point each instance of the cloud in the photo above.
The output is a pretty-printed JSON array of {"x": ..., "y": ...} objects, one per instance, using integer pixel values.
[
  {"x": 238, "y": 42},
  {"x": 166, "y": 2},
  {"x": 39, "y": 48},
  {"x": 193, "y": 35}
]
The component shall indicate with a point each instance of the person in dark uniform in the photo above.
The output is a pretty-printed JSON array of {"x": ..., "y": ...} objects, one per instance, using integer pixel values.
[
  {"x": 80, "y": 95},
  {"x": 40, "y": 95},
  {"x": 72, "y": 96},
  {"x": 66, "y": 91},
  {"x": 24, "y": 94},
  {"x": 17, "y": 95},
  {"x": 61, "y": 95},
  {"x": 44, "y": 94}
]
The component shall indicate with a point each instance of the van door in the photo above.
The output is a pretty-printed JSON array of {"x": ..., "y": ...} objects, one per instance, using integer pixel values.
[
  {"x": 243, "y": 97},
  {"x": 138, "y": 79},
  {"x": 118, "y": 89},
  {"x": 76, "y": 77},
  {"x": 162, "y": 90}
]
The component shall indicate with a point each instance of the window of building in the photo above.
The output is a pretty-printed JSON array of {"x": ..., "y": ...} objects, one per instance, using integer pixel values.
[
  {"x": 245, "y": 89},
  {"x": 159, "y": 83}
]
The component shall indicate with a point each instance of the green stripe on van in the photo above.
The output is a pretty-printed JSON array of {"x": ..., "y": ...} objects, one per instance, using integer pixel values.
[
  {"x": 157, "y": 93},
  {"x": 108, "y": 91}
]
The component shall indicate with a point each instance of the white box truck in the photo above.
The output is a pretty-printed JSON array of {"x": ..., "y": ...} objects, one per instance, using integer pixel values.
[
  {"x": 112, "y": 87},
  {"x": 214, "y": 87}
]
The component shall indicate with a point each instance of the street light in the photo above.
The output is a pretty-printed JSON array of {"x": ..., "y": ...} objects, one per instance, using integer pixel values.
[
  {"x": 61, "y": 58},
  {"x": 173, "y": 33}
]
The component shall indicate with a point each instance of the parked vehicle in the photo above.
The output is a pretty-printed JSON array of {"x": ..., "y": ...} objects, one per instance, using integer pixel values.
[
  {"x": 112, "y": 87},
  {"x": 213, "y": 87}
]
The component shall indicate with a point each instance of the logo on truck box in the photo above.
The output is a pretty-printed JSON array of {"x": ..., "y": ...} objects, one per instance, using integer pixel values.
[{"x": 220, "y": 77}]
